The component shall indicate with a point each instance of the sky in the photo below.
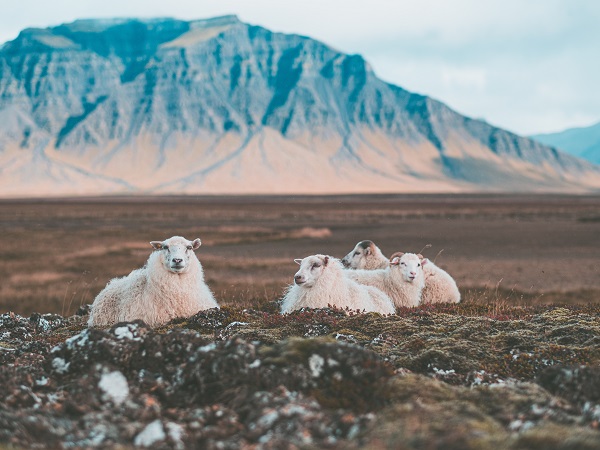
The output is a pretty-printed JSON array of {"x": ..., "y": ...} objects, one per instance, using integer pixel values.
[{"x": 529, "y": 66}]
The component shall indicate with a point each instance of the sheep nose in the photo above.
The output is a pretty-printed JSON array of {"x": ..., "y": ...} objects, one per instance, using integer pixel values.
[
  {"x": 414, "y": 274},
  {"x": 177, "y": 260},
  {"x": 299, "y": 279}
]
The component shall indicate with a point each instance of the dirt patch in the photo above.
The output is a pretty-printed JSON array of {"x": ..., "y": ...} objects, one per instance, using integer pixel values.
[
  {"x": 35, "y": 277},
  {"x": 103, "y": 250}
]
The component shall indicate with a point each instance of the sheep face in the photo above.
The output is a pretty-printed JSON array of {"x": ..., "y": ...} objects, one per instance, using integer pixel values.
[
  {"x": 311, "y": 268},
  {"x": 176, "y": 253},
  {"x": 358, "y": 257},
  {"x": 409, "y": 265}
]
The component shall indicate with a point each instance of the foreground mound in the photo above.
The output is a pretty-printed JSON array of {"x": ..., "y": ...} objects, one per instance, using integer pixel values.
[{"x": 453, "y": 376}]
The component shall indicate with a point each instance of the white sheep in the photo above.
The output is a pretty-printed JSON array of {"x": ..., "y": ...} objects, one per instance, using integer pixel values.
[
  {"x": 365, "y": 255},
  {"x": 440, "y": 287},
  {"x": 403, "y": 280},
  {"x": 170, "y": 285},
  {"x": 320, "y": 281}
]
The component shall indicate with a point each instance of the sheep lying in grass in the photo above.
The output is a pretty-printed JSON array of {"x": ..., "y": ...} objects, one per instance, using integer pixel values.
[
  {"x": 170, "y": 285},
  {"x": 402, "y": 281},
  {"x": 365, "y": 255},
  {"x": 440, "y": 287},
  {"x": 320, "y": 281}
]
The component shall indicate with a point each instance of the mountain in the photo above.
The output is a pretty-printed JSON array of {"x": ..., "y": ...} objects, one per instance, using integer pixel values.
[
  {"x": 220, "y": 106},
  {"x": 581, "y": 142}
]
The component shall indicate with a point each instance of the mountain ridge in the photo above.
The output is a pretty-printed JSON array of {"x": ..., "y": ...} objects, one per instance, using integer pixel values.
[
  {"x": 220, "y": 106},
  {"x": 582, "y": 142}
]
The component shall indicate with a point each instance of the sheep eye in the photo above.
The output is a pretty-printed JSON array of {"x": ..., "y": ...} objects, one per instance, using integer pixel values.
[
  {"x": 355, "y": 253},
  {"x": 165, "y": 247},
  {"x": 419, "y": 265},
  {"x": 189, "y": 247},
  {"x": 314, "y": 266},
  {"x": 403, "y": 263}
]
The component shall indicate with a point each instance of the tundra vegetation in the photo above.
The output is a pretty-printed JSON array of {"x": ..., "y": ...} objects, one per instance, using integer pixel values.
[{"x": 511, "y": 366}]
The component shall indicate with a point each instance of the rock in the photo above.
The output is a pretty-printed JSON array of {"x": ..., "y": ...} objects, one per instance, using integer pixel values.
[
  {"x": 431, "y": 377},
  {"x": 578, "y": 384}
]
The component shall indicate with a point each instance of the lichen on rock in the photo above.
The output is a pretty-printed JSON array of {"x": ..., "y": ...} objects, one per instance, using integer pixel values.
[{"x": 455, "y": 376}]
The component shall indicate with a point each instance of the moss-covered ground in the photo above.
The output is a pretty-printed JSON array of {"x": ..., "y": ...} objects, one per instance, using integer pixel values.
[{"x": 447, "y": 376}]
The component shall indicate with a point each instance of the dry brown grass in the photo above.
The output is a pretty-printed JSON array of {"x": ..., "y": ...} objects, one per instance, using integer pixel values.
[{"x": 57, "y": 255}]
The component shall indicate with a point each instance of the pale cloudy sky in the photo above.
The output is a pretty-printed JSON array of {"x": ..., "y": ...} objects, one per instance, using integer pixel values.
[{"x": 529, "y": 66}]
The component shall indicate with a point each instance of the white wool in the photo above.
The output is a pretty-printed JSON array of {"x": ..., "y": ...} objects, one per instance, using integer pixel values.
[
  {"x": 395, "y": 281},
  {"x": 440, "y": 287},
  {"x": 320, "y": 281},
  {"x": 170, "y": 285},
  {"x": 367, "y": 256}
]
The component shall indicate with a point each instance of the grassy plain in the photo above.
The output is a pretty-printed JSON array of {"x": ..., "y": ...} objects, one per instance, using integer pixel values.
[
  {"x": 506, "y": 369},
  {"x": 58, "y": 254}
]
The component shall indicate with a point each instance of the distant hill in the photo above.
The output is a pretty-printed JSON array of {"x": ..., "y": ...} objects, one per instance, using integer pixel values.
[
  {"x": 220, "y": 106},
  {"x": 581, "y": 142}
]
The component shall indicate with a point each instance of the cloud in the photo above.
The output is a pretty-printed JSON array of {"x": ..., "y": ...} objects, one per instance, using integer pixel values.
[{"x": 473, "y": 78}]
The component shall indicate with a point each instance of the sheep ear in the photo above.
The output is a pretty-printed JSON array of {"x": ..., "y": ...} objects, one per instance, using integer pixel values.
[
  {"x": 419, "y": 256},
  {"x": 424, "y": 261},
  {"x": 395, "y": 261},
  {"x": 298, "y": 261},
  {"x": 156, "y": 244},
  {"x": 196, "y": 243},
  {"x": 368, "y": 251},
  {"x": 325, "y": 260}
]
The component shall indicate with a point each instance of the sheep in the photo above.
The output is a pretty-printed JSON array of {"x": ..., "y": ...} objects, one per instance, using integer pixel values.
[
  {"x": 320, "y": 281},
  {"x": 365, "y": 255},
  {"x": 170, "y": 285},
  {"x": 440, "y": 287},
  {"x": 402, "y": 281}
]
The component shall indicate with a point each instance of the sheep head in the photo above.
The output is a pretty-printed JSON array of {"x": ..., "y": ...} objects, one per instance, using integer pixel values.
[
  {"x": 409, "y": 265},
  {"x": 357, "y": 258},
  {"x": 177, "y": 252},
  {"x": 311, "y": 268}
]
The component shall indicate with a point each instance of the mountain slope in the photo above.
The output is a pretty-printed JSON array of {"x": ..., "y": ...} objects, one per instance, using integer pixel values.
[
  {"x": 219, "y": 106},
  {"x": 581, "y": 142}
]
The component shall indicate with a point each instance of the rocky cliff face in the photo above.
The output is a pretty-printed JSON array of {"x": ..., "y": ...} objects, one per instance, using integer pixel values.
[{"x": 220, "y": 106}]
